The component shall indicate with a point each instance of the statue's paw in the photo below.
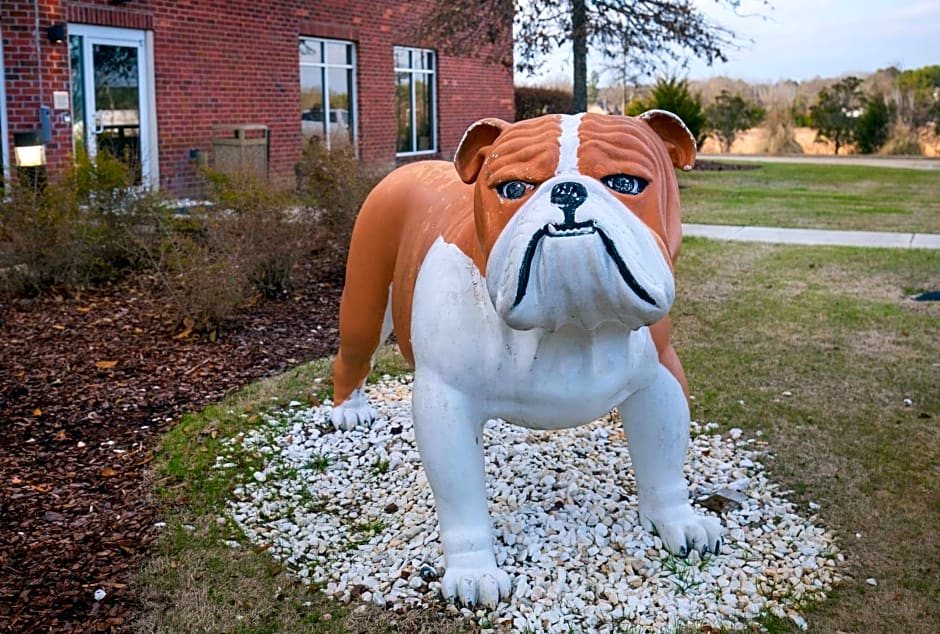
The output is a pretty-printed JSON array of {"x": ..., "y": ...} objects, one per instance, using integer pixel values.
[
  {"x": 475, "y": 586},
  {"x": 683, "y": 530},
  {"x": 355, "y": 410}
]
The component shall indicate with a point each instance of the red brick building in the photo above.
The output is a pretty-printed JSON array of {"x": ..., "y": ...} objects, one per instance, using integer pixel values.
[{"x": 150, "y": 80}]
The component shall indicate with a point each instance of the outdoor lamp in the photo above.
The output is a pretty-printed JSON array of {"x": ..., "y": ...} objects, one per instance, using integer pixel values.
[
  {"x": 30, "y": 150},
  {"x": 56, "y": 33}
]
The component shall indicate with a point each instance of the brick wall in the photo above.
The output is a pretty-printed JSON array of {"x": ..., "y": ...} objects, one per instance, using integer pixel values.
[
  {"x": 27, "y": 59},
  {"x": 469, "y": 91},
  {"x": 236, "y": 62}
]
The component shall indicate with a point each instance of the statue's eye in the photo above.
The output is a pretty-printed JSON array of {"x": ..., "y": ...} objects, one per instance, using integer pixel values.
[
  {"x": 512, "y": 190},
  {"x": 625, "y": 184}
]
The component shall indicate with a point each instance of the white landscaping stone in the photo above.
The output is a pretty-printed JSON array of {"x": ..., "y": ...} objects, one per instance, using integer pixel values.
[{"x": 564, "y": 518}]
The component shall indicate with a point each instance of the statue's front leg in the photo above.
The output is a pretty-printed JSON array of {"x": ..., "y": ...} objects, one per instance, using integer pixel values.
[
  {"x": 449, "y": 432},
  {"x": 656, "y": 422}
]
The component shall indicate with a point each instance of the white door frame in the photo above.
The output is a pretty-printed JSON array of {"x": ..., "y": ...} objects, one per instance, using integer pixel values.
[
  {"x": 143, "y": 41},
  {"x": 4, "y": 125}
]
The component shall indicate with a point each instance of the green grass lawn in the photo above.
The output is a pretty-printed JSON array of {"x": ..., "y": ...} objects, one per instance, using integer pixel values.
[
  {"x": 815, "y": 348},
  {"x": 820, "y": 350},
  {"x": 815, "y": 196},
  {"x": 823, "y": 352}
]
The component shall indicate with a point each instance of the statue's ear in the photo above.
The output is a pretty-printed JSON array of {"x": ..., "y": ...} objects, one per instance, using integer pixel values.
[
  {"x": 471, "y": 152},
  {"x": 679, "y": 140}
]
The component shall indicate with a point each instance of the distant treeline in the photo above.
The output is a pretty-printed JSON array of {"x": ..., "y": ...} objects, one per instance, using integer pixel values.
[{"x": 888, "y": 111}]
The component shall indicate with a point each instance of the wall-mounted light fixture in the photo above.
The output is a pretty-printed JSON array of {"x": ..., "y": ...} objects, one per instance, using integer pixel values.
[
  {"x": 56, "y": 34},
  {"x": 29, "y": 148}
]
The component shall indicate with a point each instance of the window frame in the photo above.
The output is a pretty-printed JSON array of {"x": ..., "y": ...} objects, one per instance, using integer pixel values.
[
  {"x": 432, "y": 84},
  {"x": 324, "y": 67}
]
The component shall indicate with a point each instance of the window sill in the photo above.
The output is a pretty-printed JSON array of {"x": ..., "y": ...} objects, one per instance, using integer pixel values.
[{"x": 419, "y": 153}]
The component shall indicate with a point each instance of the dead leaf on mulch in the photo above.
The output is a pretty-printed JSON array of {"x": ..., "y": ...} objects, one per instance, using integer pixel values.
[
  {"x": 188, "y": 324},
  {"x": 105, "y": 365}
]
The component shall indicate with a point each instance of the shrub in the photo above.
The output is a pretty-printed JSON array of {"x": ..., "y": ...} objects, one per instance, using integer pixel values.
[
  {"x": 534, "y": 102},
  {"x": 902, "y": 141},
  {"x": 263, "y": 227},
  {"x": 251, "y": 237},
  {"x": 246, "y": 241},
  {"x": 333, "y": 184},
  {"x": 780, "y": 138},
  {"x": 674, "y": 95},
  {"x": 204, "y": 280},
  {"x": 76, "y": 231},
  {"x": 873, "y": 126},
  {"x": 39, "y": 240}
]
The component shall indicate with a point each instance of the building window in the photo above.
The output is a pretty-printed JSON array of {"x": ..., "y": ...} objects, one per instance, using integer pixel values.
[
  {"x": 415, "y": 100},
  {"x": 327, "y": 91}
]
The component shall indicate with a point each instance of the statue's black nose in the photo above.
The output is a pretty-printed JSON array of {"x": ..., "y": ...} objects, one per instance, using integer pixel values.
[{"x": 568, "y": 195}]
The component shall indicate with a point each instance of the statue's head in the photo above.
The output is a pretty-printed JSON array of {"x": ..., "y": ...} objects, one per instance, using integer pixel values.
[{"x": 578, "y": 215}]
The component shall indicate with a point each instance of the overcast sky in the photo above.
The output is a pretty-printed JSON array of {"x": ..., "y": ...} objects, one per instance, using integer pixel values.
[{"x": 803, "y": 39}]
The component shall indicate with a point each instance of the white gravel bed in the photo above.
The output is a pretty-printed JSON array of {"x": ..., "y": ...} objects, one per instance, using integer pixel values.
[{"x": 353, "y": 513}]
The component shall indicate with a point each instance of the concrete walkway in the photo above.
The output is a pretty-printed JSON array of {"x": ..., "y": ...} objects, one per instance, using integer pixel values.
[
  {"x": 815, "y": 236},
  {"x": 867, "y": 160}
]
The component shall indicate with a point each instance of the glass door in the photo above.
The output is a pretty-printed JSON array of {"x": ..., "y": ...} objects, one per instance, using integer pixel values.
[{"x": 110, "y": 96}]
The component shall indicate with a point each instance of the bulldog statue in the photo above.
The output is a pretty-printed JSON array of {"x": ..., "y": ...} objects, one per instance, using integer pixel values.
[{"x": 531, "y": 283}]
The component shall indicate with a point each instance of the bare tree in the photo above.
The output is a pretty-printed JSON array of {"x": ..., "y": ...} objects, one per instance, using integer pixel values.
[{"x": 644, "y": 31}]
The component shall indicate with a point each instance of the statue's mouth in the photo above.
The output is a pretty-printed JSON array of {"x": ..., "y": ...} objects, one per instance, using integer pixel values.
[
  {"x": 569, "y": 229},
  {"x": 564, "y": 229}
]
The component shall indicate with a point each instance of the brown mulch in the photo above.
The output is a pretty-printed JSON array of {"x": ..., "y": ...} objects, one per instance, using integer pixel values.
[{"x": 88, "y": 384}]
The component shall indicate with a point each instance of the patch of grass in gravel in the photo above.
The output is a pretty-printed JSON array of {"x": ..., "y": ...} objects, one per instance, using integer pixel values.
[
  {"x": 824, "y": 352},
  {"x": 188, "y": 452},
  {"x": 815, "y": 196}
]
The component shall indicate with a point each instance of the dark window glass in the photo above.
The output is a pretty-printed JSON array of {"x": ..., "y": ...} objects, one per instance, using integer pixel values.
[
  {"x": 327, "y": 91},
  {"x": 415, "y": 100}
]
